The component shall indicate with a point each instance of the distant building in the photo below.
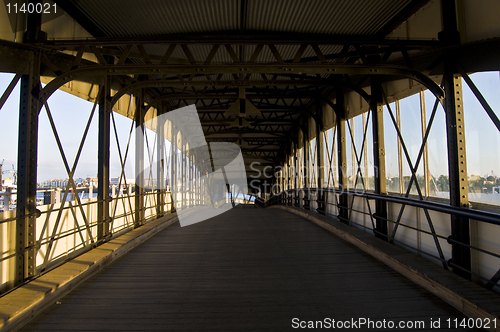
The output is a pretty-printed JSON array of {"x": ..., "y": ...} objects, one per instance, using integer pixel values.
[
  {"x": 92, "y": 182},
  {"x": 8, "y": 183},
  {"x": 55, "y": 183},
  {"x": 474, "y": 177},
  {"x": 80, "y": 182}
]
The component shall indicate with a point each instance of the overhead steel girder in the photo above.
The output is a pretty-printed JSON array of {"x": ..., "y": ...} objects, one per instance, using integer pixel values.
[
  {"x": 271, "y": 94},
  {"x": 238, "y": 38},
  {"x": 167, "y": 83},
  {"x": 256, "y": 122},
  {"x": 312, "y": 69},
  {"x": 259, "y": 150},
  {"x": 256, "y": 140},
  {"x": 474, "y": 56},
  {"x": 263, "y": 107},
  {"x": 258, "y": 97},
  {"x": 223, "y": 134},
  {"x": 234, "y": 83}
]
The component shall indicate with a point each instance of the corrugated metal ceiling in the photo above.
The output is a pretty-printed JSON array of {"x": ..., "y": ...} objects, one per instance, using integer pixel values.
[
  {"x": 122, "y": 18},
  {"x": 157, "y": 18},
  {"x": 350, "y": 17}
]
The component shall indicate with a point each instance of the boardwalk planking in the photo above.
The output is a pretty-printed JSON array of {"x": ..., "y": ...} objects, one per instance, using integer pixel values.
[{"x": 248, "y": 269}]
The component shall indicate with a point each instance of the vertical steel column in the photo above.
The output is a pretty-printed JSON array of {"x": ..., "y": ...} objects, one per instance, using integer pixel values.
[
  {"x": 192, "y": 193},
  {"x": 289, "y": 170},
  {"x": 285, "y": 173},
  {"x": 365, "y": 154},
  {"x": 160, "y": 167},
  {"x": 183, "y": 174},
  {"x": 295, "y": 175},
  {"x": 186, "y": 176},
  {"x": 343, "y": 203},
  {"x": 305, "y": 173},
  {"x": 27, "y": 171},
  {"x": 190, "y": 181},
  {"x": 103, "y": 161},
  {"x": 320, "y": 198},
  {"x": 277, "y": 179},
  {"x": 283, "y": 182},
  {"x": 139, "y": 159},
  {"x": 293, "y": 180},
  {"x": 287, "y": 179},
  {"x": 400, "y": 150},
  {"x": 379, "y": 157},
  {"x": 426, "y": 154},
  {"x": 455, "y": 132},
  {"x": 29, "y": 106},
  {"x": 173, "y": 169},
  {"x": 289, "y": 173},
  {"x": 281, "y": 178},
  {"x": 194, "y": 184},
  {"x": 198, "y": 187},
  {"x": 354, "y": 164},
  {"x": 274, "y": 181}
]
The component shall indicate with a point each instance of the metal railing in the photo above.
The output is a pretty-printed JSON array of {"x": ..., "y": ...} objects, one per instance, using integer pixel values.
[
  {"x": 64, "y": 233},
  {"x": 430, "y": 239}
]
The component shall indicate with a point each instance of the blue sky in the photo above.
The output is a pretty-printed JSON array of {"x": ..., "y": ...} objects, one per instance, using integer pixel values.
[
  {"x": 71, "y": 115},
  {"x": 482, "y": 137}
]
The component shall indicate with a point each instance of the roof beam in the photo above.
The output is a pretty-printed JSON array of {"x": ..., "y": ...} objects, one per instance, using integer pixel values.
[
  {"x": 237, "y": 38},
  {"x": 145, "y": 69},
  {"x": 233, "y": 83},
  {"x": 221, "y": 95}
]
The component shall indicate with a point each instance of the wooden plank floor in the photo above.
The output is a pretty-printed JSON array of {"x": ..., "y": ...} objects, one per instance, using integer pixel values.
[{"x": 248, "y": 269}]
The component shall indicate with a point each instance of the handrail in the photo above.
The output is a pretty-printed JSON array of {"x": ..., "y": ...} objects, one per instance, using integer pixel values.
[
  {"x": 488, "y": 217},
  {"x": 283, "y": 198},
  {"x": 82, "y": 228}
]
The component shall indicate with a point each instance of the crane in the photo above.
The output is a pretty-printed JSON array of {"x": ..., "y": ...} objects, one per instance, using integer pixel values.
[
  {"x": 14, "y": 174},
  {"x": 1, "y": 182}
]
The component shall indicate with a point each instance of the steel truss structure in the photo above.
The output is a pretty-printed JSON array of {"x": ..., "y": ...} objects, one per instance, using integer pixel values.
[{"x": 269, "y": 92}]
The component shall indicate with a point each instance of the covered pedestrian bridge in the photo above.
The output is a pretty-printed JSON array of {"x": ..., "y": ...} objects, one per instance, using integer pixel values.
[{"x": 259, "y": 165}]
